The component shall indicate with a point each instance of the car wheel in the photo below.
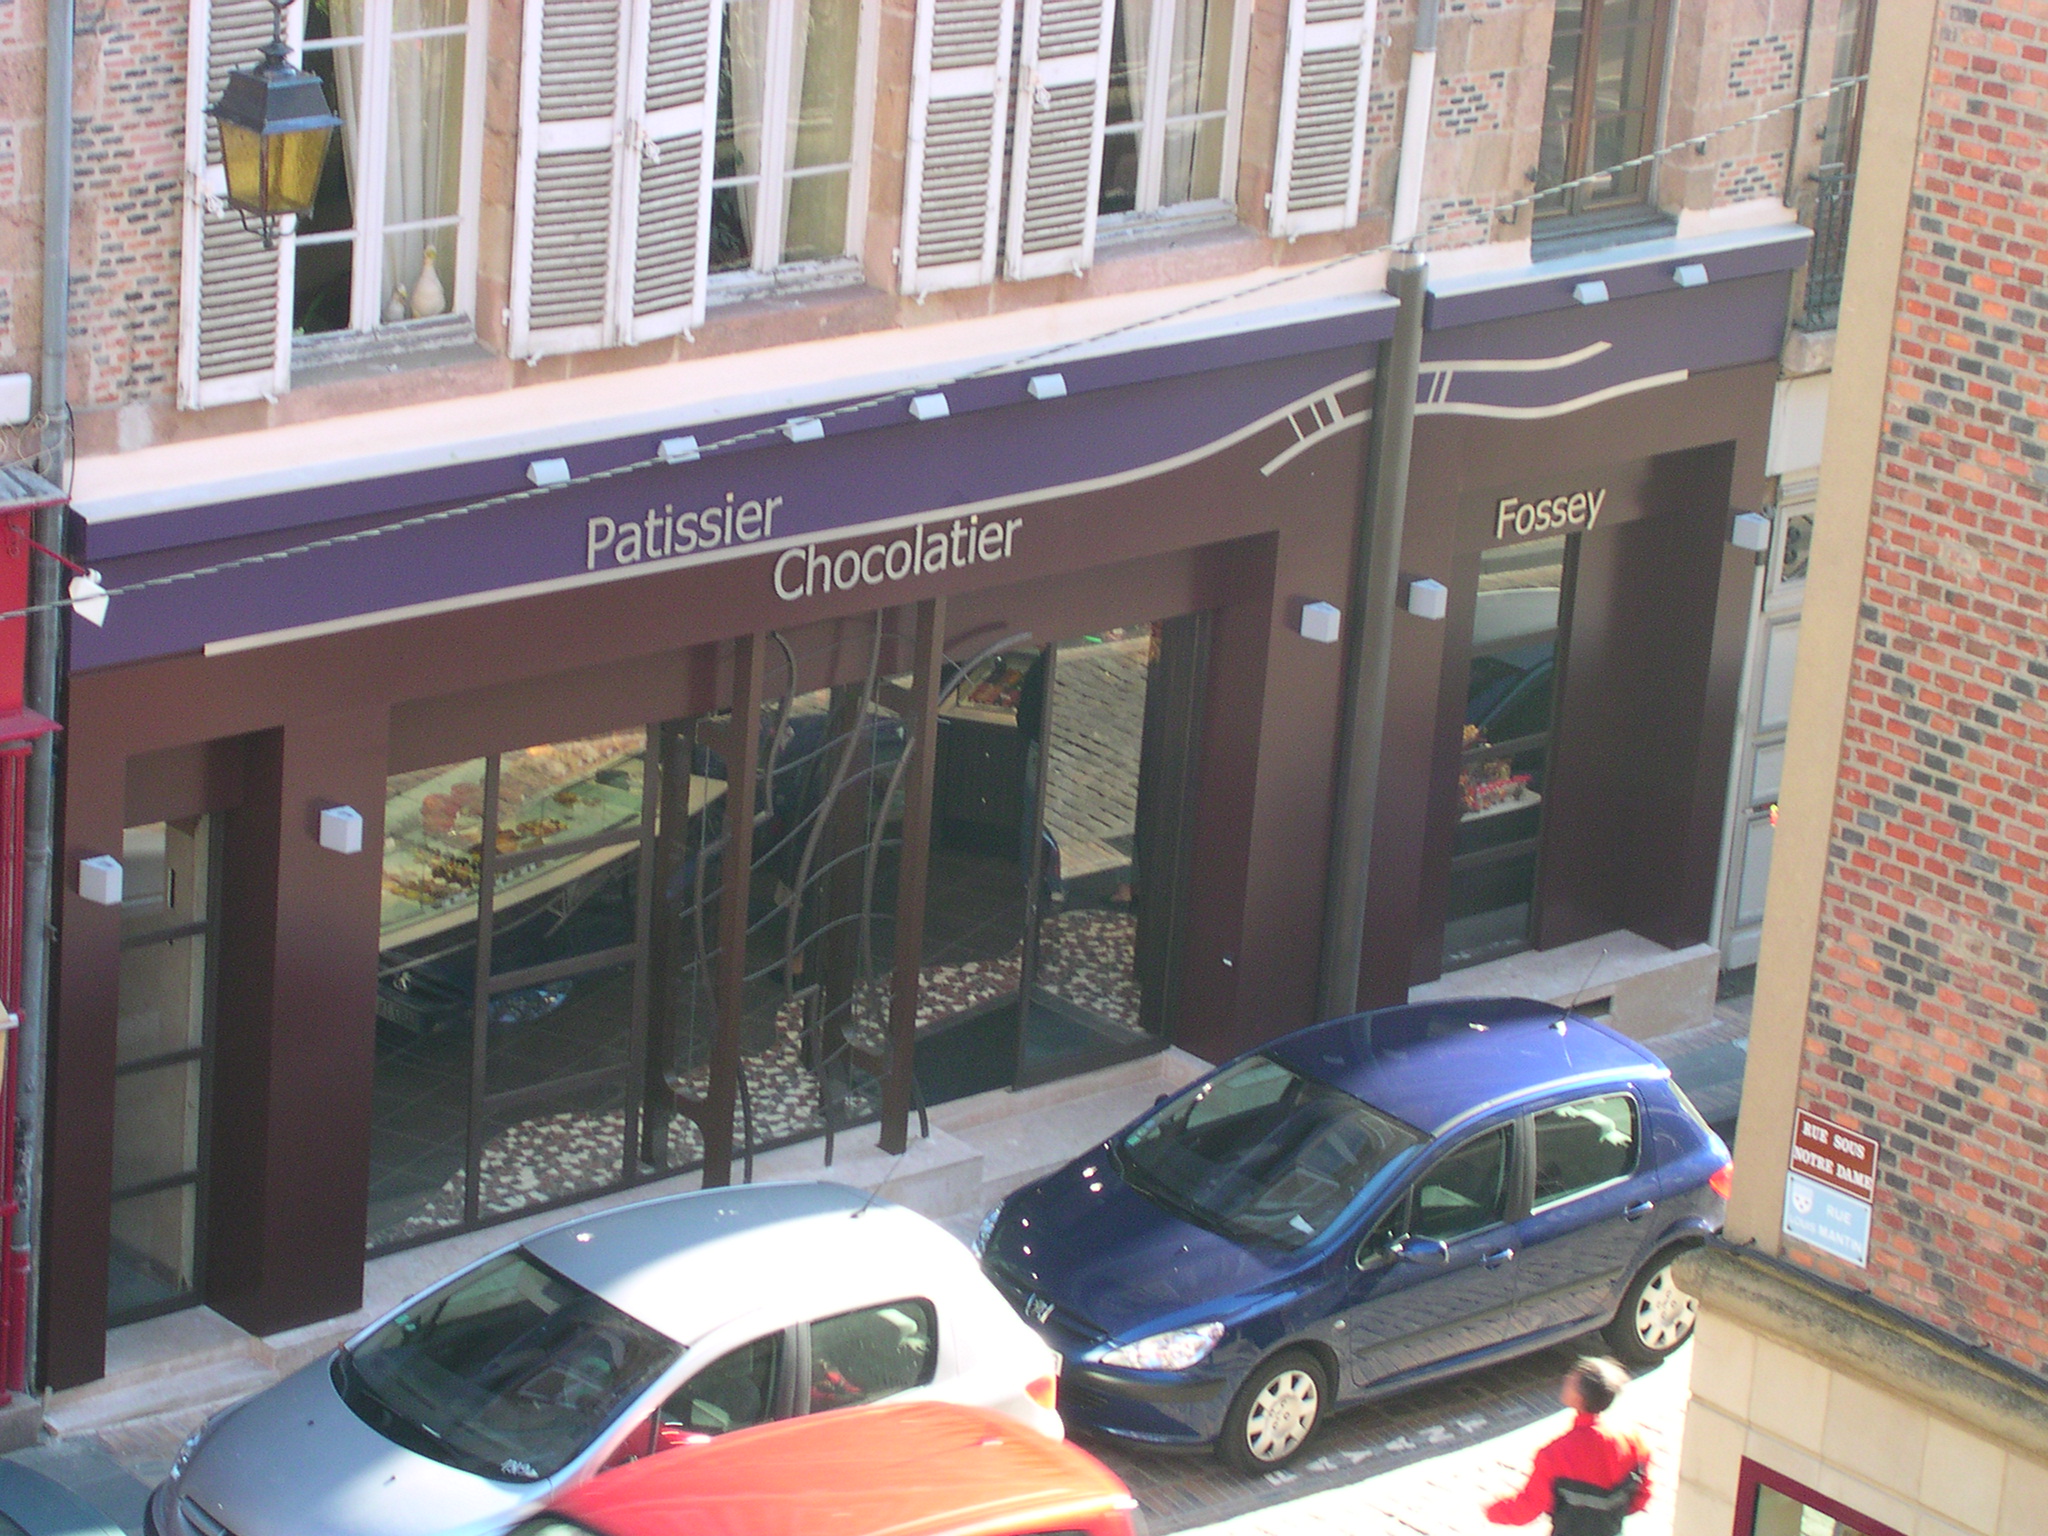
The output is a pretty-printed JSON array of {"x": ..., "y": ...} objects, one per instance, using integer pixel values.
[
  {"x": 1657, "y": 1314},
  {"x": 1276, "y": 1411}
]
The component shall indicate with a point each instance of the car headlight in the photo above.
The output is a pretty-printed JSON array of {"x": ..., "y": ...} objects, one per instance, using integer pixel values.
[
  {"x": 988, "y": 1230},
  {"x": 1174, "y": 1350}
]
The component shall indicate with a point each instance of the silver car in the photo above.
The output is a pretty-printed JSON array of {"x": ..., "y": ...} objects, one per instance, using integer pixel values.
[{"x": 601, "y": 1340}]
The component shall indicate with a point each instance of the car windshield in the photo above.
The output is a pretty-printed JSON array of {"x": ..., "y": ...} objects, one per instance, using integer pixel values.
[
  {"x": 508, "y": 1371},
  {"x": 1261, "y": 1154}
]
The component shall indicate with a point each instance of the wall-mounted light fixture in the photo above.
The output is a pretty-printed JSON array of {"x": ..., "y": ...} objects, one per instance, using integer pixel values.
[
  {"x": 341, "y": 829},
  {"x": 1692, "y": 275},
  {"x": 1321, "y": 622},
  {"x": 1428, "y": 599},
  {"x": 929, "y": 407},
  {"x": 1593, "y": 291},
  {"x": 274, "y": 125},
  {"x": 548, "y": 472},
  {"x": 803, "y": 429},
  {"x": 1752, "y": 531},
  {"x": 678, "y": 450},
  {"x": 99, "y": 880},
  {"x": 1046, "y": 386}
]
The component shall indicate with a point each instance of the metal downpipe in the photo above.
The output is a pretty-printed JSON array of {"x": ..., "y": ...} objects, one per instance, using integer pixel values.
[
  {"x": 43, "y": 685},
  {"x": 1369, "y": 638}
]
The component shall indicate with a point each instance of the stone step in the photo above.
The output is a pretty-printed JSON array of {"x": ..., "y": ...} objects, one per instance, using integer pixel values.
[{"x": 121, "y": 1399}]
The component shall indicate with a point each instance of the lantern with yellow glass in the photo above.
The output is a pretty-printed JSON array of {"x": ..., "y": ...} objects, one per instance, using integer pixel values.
[{"x": 274, "y": 126}]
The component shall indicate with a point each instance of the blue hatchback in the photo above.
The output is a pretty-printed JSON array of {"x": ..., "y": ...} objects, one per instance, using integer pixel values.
[{"x": 1358, "y": 1207}]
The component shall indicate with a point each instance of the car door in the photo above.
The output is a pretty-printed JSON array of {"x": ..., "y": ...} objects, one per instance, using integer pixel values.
[
  {"x": 1589, "y": 1191},
  {"x": 1435, "y": 1277}
]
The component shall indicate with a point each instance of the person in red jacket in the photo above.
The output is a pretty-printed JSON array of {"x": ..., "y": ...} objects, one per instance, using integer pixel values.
[{"x": 1590, "y": 1478}]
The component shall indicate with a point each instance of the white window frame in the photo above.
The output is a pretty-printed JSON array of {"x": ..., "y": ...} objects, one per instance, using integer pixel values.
[
  {"x": 370, "y": 284},
  {"x": 767, "y": 269},
  {"x": 1152, "y": 123}
]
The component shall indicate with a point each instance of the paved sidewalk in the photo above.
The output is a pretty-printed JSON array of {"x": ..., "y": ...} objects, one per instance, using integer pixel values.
[{"x": 1444, "y": 1491}]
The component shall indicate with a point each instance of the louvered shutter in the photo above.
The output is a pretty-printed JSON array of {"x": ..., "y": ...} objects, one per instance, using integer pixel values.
[
  {"x": 234, "y": 297},
  {"x": 959, "y": 93},
  {"x": 1323, "y": 92},
  {"x": 673, "y": 103},
  {"x": 572, "y": 129},
  {"x": 1056, "y": 170}
]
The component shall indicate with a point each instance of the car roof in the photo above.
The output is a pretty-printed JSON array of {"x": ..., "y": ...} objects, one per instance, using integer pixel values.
[
  {"x": 1432, "y": 1064},
  {"x": 687, "y": 1263},
  {"x": 892, "y": 1469}
]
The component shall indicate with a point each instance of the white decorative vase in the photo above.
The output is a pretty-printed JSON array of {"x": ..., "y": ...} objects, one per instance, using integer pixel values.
[{"x": 428, "y": 296}]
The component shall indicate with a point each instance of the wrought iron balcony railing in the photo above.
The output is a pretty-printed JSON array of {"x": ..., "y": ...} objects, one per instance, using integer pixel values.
[{"x": 1834, "y": 189}]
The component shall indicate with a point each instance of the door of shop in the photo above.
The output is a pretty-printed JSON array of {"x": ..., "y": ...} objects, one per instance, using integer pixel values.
[{"x": 1061, "y": 834}]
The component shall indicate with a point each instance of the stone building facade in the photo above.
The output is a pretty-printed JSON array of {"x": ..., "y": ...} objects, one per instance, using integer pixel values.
[{"x": 1900, "y": 995}]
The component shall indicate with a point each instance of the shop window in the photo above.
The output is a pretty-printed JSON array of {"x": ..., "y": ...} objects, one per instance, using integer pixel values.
[
  {"x": 161, "y": 1067},
  {"x": 391, "y": 236},
  {"x": 788, "y": 124},
  {"x": 1509, "y": 701},
  {"x": 1767, "y": 1503},
  {"x": 1599, "y": 105},
  {"x": 1166, "y": 132}
]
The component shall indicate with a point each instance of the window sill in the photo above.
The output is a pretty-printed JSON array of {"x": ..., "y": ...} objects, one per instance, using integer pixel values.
[
  {"x": 343, "y": 355},
  {"x": 1117, "y": 232},
  {"x": 1595, "y": 231},
  {"x": 804, "y": 277}
]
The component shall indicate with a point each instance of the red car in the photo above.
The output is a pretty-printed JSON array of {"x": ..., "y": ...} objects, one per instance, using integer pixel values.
[{"x": 905, "y": 1469}]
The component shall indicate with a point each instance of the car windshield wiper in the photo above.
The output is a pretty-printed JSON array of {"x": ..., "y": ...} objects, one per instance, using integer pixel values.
[{"x": 1145, "y": 1183}]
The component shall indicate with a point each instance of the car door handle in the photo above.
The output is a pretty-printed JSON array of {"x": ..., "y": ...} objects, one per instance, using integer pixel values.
[
  {"x": 1495, "y": 1260},
  {"x": 1640, "y": 1209}
]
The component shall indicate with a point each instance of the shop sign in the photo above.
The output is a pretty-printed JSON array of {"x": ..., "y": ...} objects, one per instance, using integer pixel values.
[
  {"x": 1570, "y": 512},
  {"x": 1830, "y": 1187},
  {"x": 921, "y": 550}
]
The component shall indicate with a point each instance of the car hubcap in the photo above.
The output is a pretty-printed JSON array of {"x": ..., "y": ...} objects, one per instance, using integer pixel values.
[
  {"x": 1665, "y": 1313},
  {"x": 1282, "y": 1415}
]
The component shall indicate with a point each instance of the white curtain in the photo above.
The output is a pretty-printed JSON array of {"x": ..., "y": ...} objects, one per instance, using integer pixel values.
[
  {"x": 746, "y": 41},
  {"x": 824, "y": 49},
  {"x": 345, "y": 19},
  {"x": 423, "y": 160}
]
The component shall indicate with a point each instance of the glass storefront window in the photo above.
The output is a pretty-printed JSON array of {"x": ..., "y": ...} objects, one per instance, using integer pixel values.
[
  {"x": 160, "y": 1066},
  {"x": 1509, "y": 699}
]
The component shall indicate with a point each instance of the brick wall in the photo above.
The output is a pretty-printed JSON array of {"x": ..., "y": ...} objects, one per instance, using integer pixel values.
[
  {"x": 1928, "y": 1024},
  {"x": 21, "y": 183}
]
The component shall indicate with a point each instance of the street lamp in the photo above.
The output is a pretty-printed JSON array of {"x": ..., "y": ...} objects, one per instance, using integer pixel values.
[{"x": 274, "y": 127}]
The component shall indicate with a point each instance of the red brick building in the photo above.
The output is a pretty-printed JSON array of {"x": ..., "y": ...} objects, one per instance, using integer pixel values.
[{"x": 1877, "y": 1352}]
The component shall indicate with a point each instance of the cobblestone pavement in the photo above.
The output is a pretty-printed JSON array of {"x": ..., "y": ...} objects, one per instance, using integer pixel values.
[{"x": 1426, "y": 1462}]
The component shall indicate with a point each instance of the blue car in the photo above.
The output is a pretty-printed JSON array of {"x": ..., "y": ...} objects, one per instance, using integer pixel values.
[{"x": 1358, "y": 1207}]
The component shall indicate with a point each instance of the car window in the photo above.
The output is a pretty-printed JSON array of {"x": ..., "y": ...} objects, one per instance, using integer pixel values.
[
  {"x": 857, "y": 1357},
  {"x": 1584, "y": 1144},
  {"x": 732, "y": 1392},
  {"x": 508, "y": 1371},
  {"x": 1464, "y": 1190},
  {"x": 1261, "y": 1153}
]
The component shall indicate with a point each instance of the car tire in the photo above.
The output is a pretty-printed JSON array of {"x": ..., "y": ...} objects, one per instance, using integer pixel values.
[
  {"x": 1657, "y": 1314},
  {"x": 1275, "y": 1412}
]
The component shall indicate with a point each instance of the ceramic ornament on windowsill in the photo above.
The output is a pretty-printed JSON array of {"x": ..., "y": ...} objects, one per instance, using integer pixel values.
[
  {"x": 428, "y": 297},
  {"x": 396, "y": 308}
]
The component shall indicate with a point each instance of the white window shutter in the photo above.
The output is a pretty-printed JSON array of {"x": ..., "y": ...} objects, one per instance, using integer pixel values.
[
  {"x": 572, "y": 130},
  {"x": 959, "y": 95},
  {"x": 1320, "y": 167},
  {"x": 234, "y": 297},
  {"x": 672, "y": 105},
  {"x": 1056, "y": 170}
]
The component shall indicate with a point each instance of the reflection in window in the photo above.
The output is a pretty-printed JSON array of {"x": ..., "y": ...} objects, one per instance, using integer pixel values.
[
  {"x": 732, "y": 1392},
  {"x": 1780, "y": 1514},
  {"x": 1465, "y": 1191},
  {"x": 1505, "y": 752},
  {"x": 783, "y": 163},
  {"x": 382, "y": 245},
  {"x": 1169, "y": 104},
  {"x": 858, "y": 1357}
]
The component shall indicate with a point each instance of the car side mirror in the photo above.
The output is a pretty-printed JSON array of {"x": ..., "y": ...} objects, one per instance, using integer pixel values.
[{"x": 1422, "y": 1250}]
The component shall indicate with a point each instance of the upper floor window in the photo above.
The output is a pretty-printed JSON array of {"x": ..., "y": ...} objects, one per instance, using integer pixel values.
[
  {"x": 1166, "y": 132},
  {"x": 1598, "y": 109},
  {"x": 390, "y": 237},
  {"x": 788, "y": 115}
]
